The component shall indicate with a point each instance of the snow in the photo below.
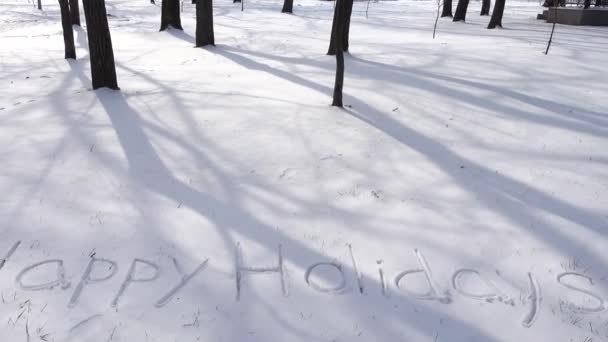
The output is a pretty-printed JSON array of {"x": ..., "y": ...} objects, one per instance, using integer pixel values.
[{"x": 473, "y": 160}]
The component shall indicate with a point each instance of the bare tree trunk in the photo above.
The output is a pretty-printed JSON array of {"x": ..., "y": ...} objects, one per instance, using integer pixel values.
[
  {"x": 340, "y": 12},
  {"x": 68, "y": 34},
  {"x": 552, "y": 31},
  {"x": 496, "y": 19},
  {"x": 447, "y": 9},
  {"x": 437, "y": 18},
  {"x": 485, "y": 7},
  {"x": 287, "y": 6},
  {"x": 204, "y": 23},
  {"x": 39, "y": 4},
  {"x": 461, "y": 10},
  {"x": 103, "y": 70},
  {"x": 75, "y": 12},
  {"x": 170, "y": 15},
  {"x": 344, "y": 30},
  {"x": 346, "y": 33}
]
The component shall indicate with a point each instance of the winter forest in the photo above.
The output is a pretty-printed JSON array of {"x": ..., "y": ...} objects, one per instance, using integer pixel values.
[{"x": 303, "y": 170}]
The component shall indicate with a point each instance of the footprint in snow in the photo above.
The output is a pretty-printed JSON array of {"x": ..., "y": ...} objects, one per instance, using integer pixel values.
[{"x": 288, "y": 173}]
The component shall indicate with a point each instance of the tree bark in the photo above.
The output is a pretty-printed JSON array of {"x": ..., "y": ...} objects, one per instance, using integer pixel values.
[
  {"x": 346, "y": 33},
  {"x": 75, "y": 12},
  {"x": 39, "y": 4},
  {"x": 496, "y": 19},
  {"x": 103, "y": 70},
  {"x": 344, "y": 27},
  {"x": 68, "y": 34},
  {"x": 287, "y": 6},
  {"x": 447, "y": 9},
  {"x": 340, "y": 16},
  {"x": 485, "y": 7},
  {"x": 461, "y": 10},
  {"x": 170, "y": 15},
  {"x": 204, "y": 23}
]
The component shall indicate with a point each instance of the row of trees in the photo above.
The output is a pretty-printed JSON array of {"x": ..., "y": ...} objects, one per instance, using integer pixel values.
[
  {"x": 461, "y": 11},
  {"x": 103, "y": 71}
]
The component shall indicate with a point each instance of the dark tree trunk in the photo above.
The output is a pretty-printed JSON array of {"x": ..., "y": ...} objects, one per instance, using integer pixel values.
[
  {"x": 340, "y": 16},
  {"x": 496, "y": 20},
  {"x": 461, "y": 10},
  {"x": 103, "y": 70},
  {"x": 75, "y": 12},
  {"x": 39, "y": 4},
  {"x": 485, "y": 7},
  {"x": 344, "y": 28},
  {"x": 170, "y": 15},
  {"x": 287, "y": 6},
  {"x": 447, "y": 9},
  {"x": 204, "y": 23},
  {"x": 345, "y": 34},
  {"x": 68, "y": 34}
]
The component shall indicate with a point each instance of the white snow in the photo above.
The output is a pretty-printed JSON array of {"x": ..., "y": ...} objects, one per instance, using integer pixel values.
[{"x": 474, "y": 156}]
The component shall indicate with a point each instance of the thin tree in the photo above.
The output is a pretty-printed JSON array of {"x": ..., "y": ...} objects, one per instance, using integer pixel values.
[
  {"x": 552, "y": 30},
  {"x": 68, "y": 34},
  {"x": 39, "y": 4},
  {"x": 496, "y": 19},
  {"x": 461, "y": 10},
  {"x": 340, "y": 17},
  {"x": 103, "y": 70},
  {"x": 287, "y": 6},
  {"x": 344, "y": 30},
  {"x": 75, "y": 12},
  {"x": 447, "y": 9},
  {"x": 437, "y": 17},
  {"x": 169, "y": 15},
  {"x": 204, "y": 23}
]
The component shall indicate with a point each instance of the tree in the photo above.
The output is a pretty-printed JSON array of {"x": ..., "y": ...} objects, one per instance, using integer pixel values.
[
  {"x": 287, "y": 6},
  {"x": 75, "y": 12},
  {"x": 485, "y": 7},
  {"x": 39, "y": 4},
  {"x": 169, "y": 15},
  {"x": 436, "y": 17},
  {"x": 461, "y": 10},
  {"x": 103, "y": 70},
  {"x": 204, "y": 23},
  {"x": 344, "y": 30},
  {"x": 447, "y": 8},
  {"x": 68, "y": 34},
  {"x": 496, "y": 19},
  {"x": 340, "y": 18}
]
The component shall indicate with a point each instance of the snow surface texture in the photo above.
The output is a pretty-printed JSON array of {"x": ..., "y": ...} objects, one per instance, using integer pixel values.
[{"x": 460, "y": 196}]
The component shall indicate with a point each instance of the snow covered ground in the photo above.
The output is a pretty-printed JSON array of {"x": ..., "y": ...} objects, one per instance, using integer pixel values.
[{"x": 460, "y": 196}]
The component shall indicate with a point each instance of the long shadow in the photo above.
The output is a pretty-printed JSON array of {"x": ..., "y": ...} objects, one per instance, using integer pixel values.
[
  {"x": 579, "y": 119},
  {"x": 510, "y": 198},
  {"x": 228, "y": 217}
]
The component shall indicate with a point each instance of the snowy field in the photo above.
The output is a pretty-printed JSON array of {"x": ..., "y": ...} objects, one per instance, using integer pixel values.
[{"x": 461, "y": 195}]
